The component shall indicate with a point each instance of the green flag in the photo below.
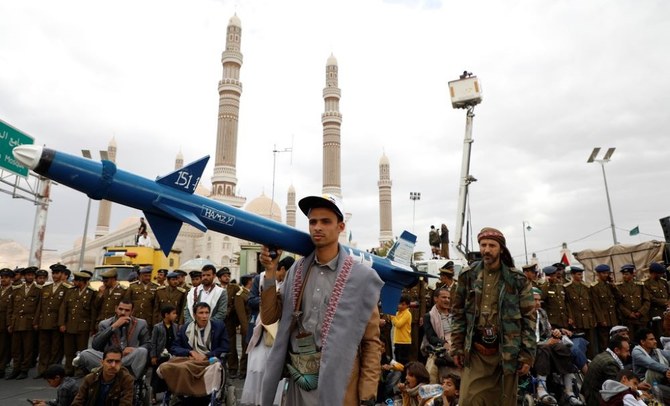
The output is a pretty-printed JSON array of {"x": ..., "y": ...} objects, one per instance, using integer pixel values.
[{"x": 634, "y": 231}]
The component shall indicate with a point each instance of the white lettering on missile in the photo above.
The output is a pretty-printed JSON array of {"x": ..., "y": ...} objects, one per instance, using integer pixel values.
[
  {"x": 185, "y": 179},
  {"x": 217, "y": 215},
  {"x": 364, "y": 258}
]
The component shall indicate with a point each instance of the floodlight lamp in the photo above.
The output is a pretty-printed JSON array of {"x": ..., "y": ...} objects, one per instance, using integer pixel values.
[
  {"x": 608, "y": 154},
  {"x": 86, "y": 153},
  {"x": 594, "y": 154}
]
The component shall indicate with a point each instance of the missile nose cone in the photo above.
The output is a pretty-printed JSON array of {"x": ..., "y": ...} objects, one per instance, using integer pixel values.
[{"x": 28, "y": 155}]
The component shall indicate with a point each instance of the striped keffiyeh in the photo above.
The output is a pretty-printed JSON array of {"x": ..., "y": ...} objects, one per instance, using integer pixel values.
[{"x": 202, "y": 343}]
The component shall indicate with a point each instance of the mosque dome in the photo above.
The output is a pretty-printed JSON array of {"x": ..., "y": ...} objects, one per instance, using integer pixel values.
[
  {"x": 331, "y": 60},
  {"x": 261, "y": 206},
  {"x": 235, "y": 20}
]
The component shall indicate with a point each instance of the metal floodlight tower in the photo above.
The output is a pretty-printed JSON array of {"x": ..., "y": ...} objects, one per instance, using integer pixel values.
[
  {"x": 525, "y": 227},
  {"x": 87, "y": 154},
  {"x": 466, "y": 93},
  {"x": 414, "y": 196},
  {"x": 602, "y": 163}
]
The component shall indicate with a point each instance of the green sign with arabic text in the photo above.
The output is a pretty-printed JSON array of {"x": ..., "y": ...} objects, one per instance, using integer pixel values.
[{"x": 10, "y": 137}]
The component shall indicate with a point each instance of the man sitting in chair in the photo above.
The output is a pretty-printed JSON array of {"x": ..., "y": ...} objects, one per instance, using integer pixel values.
[
  {"x": 124, "y": 331},
  {"x": 197, "y": 341}
]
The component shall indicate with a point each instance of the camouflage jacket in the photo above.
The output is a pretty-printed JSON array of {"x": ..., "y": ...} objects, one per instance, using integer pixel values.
[{"x": 516, "y": 316}]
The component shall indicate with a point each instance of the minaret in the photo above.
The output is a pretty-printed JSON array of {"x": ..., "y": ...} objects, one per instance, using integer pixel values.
[
  {"x": 105, "y": 207},
  {"x": 290, "y": 207},
  {"x": 385, "y": 211},
  {"x": 332, "y": 121},
  {"x": 179, "y": 161},
  {"x": 224, "y": 180}
]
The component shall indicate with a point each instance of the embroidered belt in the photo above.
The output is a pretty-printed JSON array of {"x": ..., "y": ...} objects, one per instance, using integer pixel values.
[{"x": 485, "y": 350}]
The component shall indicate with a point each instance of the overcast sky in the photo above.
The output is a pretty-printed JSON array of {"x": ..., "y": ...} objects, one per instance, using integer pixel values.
[{"x": 559, "y": 78}]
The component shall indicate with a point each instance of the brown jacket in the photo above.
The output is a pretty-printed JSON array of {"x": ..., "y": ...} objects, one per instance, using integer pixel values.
[
  {"x": 50, "y": 301},
  {"x": 120, "y": 394},
  {"x": 23, "y": 307}
]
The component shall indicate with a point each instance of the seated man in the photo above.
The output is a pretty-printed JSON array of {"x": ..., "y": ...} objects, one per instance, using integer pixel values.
[
  {"x": 124, "y": 331},
  {"x": 552, "y": 354},
  {"x": 605, "y": 366},
  {"x": 109, "y": 385},
  {"x": 196, "y": 342},
  {"x": 66, "y": 387},
  {"x": 651, "y": 364}
]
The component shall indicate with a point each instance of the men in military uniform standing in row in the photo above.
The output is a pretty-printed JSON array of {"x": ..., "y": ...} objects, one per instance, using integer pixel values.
[
  {"x": 530, "y": 270},
  {"x": 553, "y": 298},
  {"x": 109, "y": 295},
  {"x": 634, "y": 306},
  {"x": 182, "y": 280},
  {"x": 161, "y": 277},
  {"x": 578, "y": 301},
  {"x": 22, "y": 312},
  {"x": 6, "y": 279},
  {"x": 142, "y": 294},
  {"x": 77, "y": 318},
  {"x": 46, "y": 320},
  {"x": 171, "y": 294},
  {"x": 604, "y": 296},
  {"x": 659, "y": 296},
  {"x": 18, "y": 277}
]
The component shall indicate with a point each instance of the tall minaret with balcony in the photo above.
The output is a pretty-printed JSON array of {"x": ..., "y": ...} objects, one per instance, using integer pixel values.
[
  {"x": 385, "y": 211},
  {"x": 105, "y": 207},
  {"x": 224, "y": 180},
  {"x": 331, "y": 120},
  {"x": 290, "y": 207}
]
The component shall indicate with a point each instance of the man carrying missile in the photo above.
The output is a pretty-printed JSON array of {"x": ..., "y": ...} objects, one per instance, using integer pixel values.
[{"x": 329, "y": 318}]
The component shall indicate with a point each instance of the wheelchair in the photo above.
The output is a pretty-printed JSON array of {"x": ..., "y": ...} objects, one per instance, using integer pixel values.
[
  {"x": 527, "y": 390},
  {"x": 223, "y": 395}
]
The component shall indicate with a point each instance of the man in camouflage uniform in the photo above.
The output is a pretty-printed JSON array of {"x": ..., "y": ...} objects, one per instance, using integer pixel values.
[
  {"x": 171, "y": 294},
  {"x": 604, "y": 297},
  {"x": 634, "y": 306},
  {"x": 109, "y": 295},
  {"x": 493, "y": 330},
  {"x": 659, "y": 296},
  {"x": 6, "y": 278},
  {"x": 46, "y": 321},
  {"x": 578, "y": 301},
  {"x": 142, "y": 294},
  {"x": 22, "y": 312},
  {"x": 553, "y": 298},
  {"x": 76, "y": 318}
]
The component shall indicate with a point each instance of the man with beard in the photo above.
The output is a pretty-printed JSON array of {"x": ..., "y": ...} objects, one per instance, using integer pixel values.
[
  {"x": 215, "y": 296},
  {"x": 604, "y": 297},
  {"x": 437, "y": 328},
  {"x": 161, "y": 277},
  {"x": 493, "y": 330},
  {"x": 605, "y": 366}
]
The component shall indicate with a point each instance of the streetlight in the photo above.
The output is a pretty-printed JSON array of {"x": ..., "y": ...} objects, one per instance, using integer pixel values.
[
  {"x": 602, "y": 163},
  {"x": 525, "y": 227},
  {"x": 414, "y": 196},
  {"x": 87, "y": 154},
  {"x": 276, "y": 151}
]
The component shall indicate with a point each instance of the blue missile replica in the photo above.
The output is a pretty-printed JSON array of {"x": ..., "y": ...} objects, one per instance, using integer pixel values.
[{"x": 169, "y": 201}]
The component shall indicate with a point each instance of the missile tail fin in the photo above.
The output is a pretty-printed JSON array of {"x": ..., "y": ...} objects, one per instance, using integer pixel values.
[
  {"x": 186, "y": 178},
  {"x": 402, "y": 250},
  {"x": 165, "y": 229},
  {"x": 390, "y": 297}
]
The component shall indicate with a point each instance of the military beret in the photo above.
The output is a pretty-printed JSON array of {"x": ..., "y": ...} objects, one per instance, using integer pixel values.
[
  {"x": 57, "y": 267},
  {"x": 81, "y": 275},
  {"x": 162, "y": 271},
  {"x": 627, "y": 268},
  {"x": 42, "y": 272},
  {"x": 574, "y": 269},
  {"x": 173, "y": 274},
  {"x": 549, "y": 270},
  {"x": 603, "y": 268},
  {"x": 30, "y": 269},
  {"x": 529, "y": 268},
  {"x": 195, "y": 274},
  {"x": 6, "y": 272},
  {"x": 559, "y": 265},
  {"x": 223, "y": 271},
  {"x": 655, "y": 267},
  {"x": 536, "y": 291},
  {"x": 146, "y": 269},
  {"x": 110, "y": 273}
]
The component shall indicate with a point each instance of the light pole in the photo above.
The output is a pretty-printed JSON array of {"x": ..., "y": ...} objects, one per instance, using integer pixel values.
[
  {"x": 602, "y": 163},
  {"x": 276, "y": 151},
  {"x": 525, "y": 227},
  {"x": 414, "y": 196}
]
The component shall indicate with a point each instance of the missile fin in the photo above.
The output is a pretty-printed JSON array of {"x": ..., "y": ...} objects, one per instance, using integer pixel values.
[
  {"x": 402, "y": 249},
  {"x": 390, "y": 297},
  {"x": 182, "y": 215},
  {"x": 165, "y": 229},
  {"x": 186, "y": 178}
]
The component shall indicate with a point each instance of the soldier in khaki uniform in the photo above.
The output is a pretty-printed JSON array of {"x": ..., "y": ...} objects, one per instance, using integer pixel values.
[
  {"x": 182, "y": 280},
  {"x": 46, "y": 321},
  {"x": 109, "y": 295},
  {"x": 659, "y": 296},
  {"x": 530, "y": 270},
  {"x": 161, "y": 277},
  {"x": 243, "y": 315},
  {"x": 142, "y": 294},
  {"x": 604, "y": 296},
  {"x": 76, "y": 318},
  {"x": 231, "y": 318},
  {"x": 634, "y": 305},
  {"x": 6, "y": 278},
  {"x": 417, "y": 297},
  {"x": 170, "y": 294},
  {"x": 22, "y": 312},
  {"x": 553, "y": 297},
  {"x": 446, "y": 277},
  {"x": 578, "y": 300}
]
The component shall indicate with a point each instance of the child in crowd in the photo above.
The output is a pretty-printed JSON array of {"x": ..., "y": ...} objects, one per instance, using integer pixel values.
[
  {"x": 390, "y": 376},
  {"x": 66, "y": 387},
  {"x": 402, "y": 337},
  {"x": 163, "y": 335},
  {"x": 416, "y": 376},
  {"x": 451, "y": 385},
  {"x": 623, "y": 391}
]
